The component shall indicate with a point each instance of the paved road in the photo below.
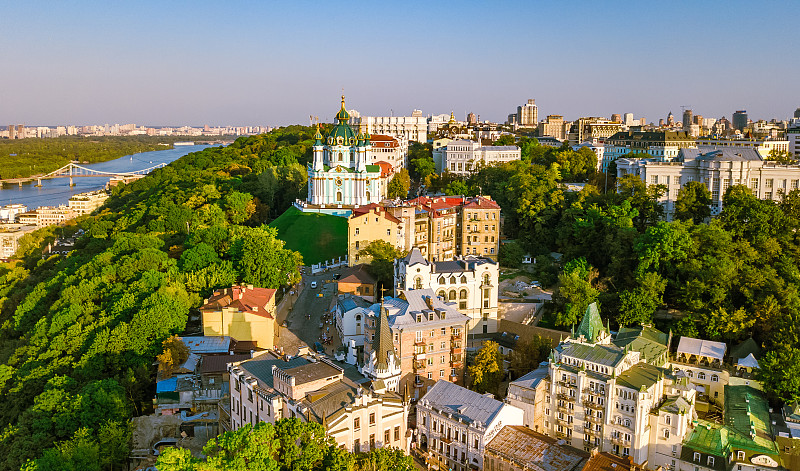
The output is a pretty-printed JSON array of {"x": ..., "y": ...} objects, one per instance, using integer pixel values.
[{"x": 301, "y": 330}]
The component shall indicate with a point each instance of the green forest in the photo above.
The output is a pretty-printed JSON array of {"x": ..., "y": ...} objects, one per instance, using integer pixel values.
[
  {"x": 79, "y": 334},
  {"x": 33, "y": 156},
  {"x": 733, "y": 277}
]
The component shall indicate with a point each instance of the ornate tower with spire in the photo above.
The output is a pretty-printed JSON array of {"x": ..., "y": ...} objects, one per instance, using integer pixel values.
[
  {"x": 383, "y": 363},
  {"x": 340, "y": 174}
]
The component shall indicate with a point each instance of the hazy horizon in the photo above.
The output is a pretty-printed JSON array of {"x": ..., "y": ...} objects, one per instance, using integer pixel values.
[{"x": 198, "y": 63}]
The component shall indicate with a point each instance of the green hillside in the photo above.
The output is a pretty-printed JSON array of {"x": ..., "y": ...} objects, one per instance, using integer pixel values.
[{"x": 318, "y": 237}]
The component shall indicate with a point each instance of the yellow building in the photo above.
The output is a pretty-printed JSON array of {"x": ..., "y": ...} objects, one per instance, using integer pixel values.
[
  {"x": 243, "y": 312},
  {"x": 369, "y": 223}
]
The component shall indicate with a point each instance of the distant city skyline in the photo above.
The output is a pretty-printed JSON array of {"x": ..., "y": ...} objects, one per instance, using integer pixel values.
[{"x": 198, "y": 63}]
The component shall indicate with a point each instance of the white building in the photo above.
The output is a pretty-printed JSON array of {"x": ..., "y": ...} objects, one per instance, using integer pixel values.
[
  {"x": 718, "y": 170},
  {"x": 314, "y": 389},
  {"x": 463, "y": 156},
  {"x": 350, "y": 315},
  {"x": 8, "y": 213},
  {"x": 412, "y": 128},
  {"x": 9, "y": 238},
  {"x": 660, "y": 144},
  {"x": 471, "y": 282},
  {"x": 454, "y": 425},
  {"x": 393, "y": 150},
  {"x": 85, "y": 203}
]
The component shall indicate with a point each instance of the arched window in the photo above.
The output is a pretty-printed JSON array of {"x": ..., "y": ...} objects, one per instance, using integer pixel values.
[
  {"x": 340, "y": 157},
  {"x": 339, "y": 196},
  {"x": 452, "y": 280},
  {"x": 701, "y": 375},
  {"x": 462, "y": 294},
  {"x": 442, "y": 294},
  {"x": 714, "y": 378},
  {"x": 627, "y": 422},
  {"x": 452, "y": 295},
  {"x": 442, "y": 280},
  {"x": 358, "y": 317},
  {"x": 689, "y": 373},
  {"x": 487, "y": 279},
  {"x": 418, "y": 283},
  {"x": 666, "y": 433},
  {"x": 463, "y": 279},
  {"x": 368, "y": 196}
]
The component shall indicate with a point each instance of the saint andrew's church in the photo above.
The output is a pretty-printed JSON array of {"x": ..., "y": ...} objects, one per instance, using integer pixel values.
[{"x": 341, "y": 173}]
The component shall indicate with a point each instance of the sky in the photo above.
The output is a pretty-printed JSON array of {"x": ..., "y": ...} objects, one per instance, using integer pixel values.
[{"x": 277, "y": 63}]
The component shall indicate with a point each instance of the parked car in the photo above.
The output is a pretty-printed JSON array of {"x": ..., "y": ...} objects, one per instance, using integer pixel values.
[
  {"x": 313, "y": 285},
  {"x": 319, "y": 348},
  {"x": 337, "y": 276}
]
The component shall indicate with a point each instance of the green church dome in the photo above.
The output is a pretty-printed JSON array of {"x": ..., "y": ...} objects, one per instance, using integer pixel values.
[{"x": 342, "y": 134}]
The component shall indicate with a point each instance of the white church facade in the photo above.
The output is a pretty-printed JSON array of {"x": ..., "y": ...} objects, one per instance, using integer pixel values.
[{"x": 341, "y": 173}]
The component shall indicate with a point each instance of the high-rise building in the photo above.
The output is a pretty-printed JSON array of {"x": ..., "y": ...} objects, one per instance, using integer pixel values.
[
  {"x": 616, "y": 117},
  {"x": 472, "y": 119},
  {"x": 797, "y": 113},
  {"x": 528, "y": 114},
  {"x": 627, "y": 118},
  {"x": 740, "y": 120},
  {"x": 687, "y": 118},
  {"x": 553, "y": 126}
]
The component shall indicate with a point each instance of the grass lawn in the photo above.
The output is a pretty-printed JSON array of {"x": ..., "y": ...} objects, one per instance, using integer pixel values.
[{"x": 318, "y": 237}]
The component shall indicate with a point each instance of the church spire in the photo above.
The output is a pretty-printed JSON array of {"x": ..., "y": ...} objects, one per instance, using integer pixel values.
[
  {"x": 342, "y": 116},
  {"x": 382, "y": 344}
]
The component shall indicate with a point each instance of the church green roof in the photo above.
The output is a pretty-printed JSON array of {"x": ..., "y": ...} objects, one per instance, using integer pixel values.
[
  {"x": 342, "y": 129},
  {"x": 591, "y": 324}
]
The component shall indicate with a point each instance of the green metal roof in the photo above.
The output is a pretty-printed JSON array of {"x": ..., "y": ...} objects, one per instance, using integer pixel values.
[
  {"x": 591, "y": 324},
  {"x": 650, "y": 342},
  {"x": 342, "y": 130},
  {"x": 641, "y": 376},
  {"x": 607, "y": 355},
  {"x": 708, "y": 437},
  {"x": 747, "y": 418},
  {"x": 676, "y": 405}
]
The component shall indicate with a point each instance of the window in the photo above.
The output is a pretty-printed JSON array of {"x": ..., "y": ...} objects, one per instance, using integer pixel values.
[
  {"x": 441, "y": 373},
  {"x": 462, "y": 294},
  {"x": 668, "y": 419},
  {"x": 372, "y": 418},
  {"x": 397, "y": 432},
  {"x": 740, "y": 455},
  {"x": 696, "y": 457},
  {"x": 666, "y": 433},
  {"x": 388, "y": 232},
  {"x": 443, "y": 346},
  {"x": 357, "y": 423},
  {"x": 430, "y": 375},
  {"x": 701, "y": 375},
  {"x": 711, "y": 461},
  {"x": 386, "y": 436},
  {"x": 714, "y": 378},
  {"x": 356, "y": 231}
]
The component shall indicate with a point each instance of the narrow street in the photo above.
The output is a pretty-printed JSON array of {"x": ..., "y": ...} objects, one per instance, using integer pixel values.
[{"x": 301, "y": 326}]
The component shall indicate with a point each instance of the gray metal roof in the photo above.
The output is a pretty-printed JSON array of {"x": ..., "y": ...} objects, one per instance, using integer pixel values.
[
  {"x": 725, "y": 154},
  {"x": 532, "y": 379},
  {"x": 262, "y": 369},
  {"x": 403, "y": 313},
  {"x": 414, "y": 257},
  {"x": 462, "y": 403}
]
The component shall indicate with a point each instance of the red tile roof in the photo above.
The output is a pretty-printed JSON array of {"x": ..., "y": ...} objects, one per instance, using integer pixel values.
[
  {"x": 357, "y": 274},
  {"x": 243, "y": 298},
  {"x": 383, "y": 141},
  {"x": 370, "y": 209},
  {"x": 481, "y": 202},
  {"x": 386, "y": 168},
  {"x": 607, "y": 462}
]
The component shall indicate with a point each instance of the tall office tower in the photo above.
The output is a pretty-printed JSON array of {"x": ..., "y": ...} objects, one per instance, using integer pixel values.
[
  {"x": 528, "y": 114},
  {"x": 616, "y": 117},
  {"x": 797, "y": 113},
  {"x": 698, "y": 119},
  {"x": 687, "y": 118},
  {"x": 472, "y": 119},
  {"x": 12, "y": 131},
  {"x": 627, "y": 118},
  {"x": 740, "y": 120}
]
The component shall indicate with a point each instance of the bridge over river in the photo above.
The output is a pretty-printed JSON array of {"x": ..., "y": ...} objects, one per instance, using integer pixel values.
[{"x": 73, "y": 170}]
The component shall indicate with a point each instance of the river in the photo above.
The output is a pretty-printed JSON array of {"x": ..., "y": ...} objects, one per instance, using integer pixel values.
[{"x": 57, "y": 191}]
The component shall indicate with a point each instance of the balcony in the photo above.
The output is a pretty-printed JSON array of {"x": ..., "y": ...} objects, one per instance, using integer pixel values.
[
  {"x": 457, "y": 364},
  {"x": 593, "y": 405},
  {"x": 593, "y": 419},
  {"x": 419, "y": 365},
  {"x": 419, "y": 343},
  {"x": 454, "y": 378},
  {"x": 418, "y": 383},
  {"x": 565, "y": 384},
  {"x": 620, "y": 441},
  {"x": 563, "y": 407},
  {"x": 456, "y": 350},
  {"x": 562, "y": 435},
  {"x": 455, "y": 336}
]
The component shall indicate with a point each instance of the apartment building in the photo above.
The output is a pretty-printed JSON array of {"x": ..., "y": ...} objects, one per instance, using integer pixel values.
[
  {"x": 591, "y": 129},
  {"x": 455, "y": 425},
  {"x": 528, "y": 392},
  {"x": 85, "y": 203},
  {"x": 470, "y": 283},
  {"x": 393, "y": 150},
  {"x": 9, "y": 238},
  {"x": 359, "y": 417},
  {"x": 369, "y": 223},
  {"x": 793, "y": 136},
  {"x": 718, "y": 170},
  {"x": 660, "y": 144},
  {"x": 413, "y": 340},
  {"x": 480, "y": 228},
  {"x": 243, "y": 312},
  {"x": 47, "y": 216},
  {"x": 411, "y": 128},
  {"x": 554, "y": 126}
]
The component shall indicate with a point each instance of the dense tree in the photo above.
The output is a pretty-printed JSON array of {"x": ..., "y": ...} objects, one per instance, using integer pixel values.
[
  {"x": 575, "y": 292},
  {"x": 511, "y": 254},
  {"x": 399, "y": 185},
  {"x": 420, "y": 161},
  {"x": 638, "y": 305},
  {"x": 693, "y": 202},
  {"x": 380, "y": 256},
  {"x": 263, "y": 260},
  {"x": 505, "y": 140},
  {"x": 487, "y": 368},
  {"x": 780, "y": 373},
  {"x": 527, "y": 355}
]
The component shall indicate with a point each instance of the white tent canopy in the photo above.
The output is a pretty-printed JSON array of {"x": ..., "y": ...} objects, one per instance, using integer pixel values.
[
  {"x": 748, "y": 362},
  {"x": 703, "y": 348}
]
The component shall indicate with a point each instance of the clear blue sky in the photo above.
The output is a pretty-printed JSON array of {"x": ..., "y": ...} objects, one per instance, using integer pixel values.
[{"x": 169, "y": 63}]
